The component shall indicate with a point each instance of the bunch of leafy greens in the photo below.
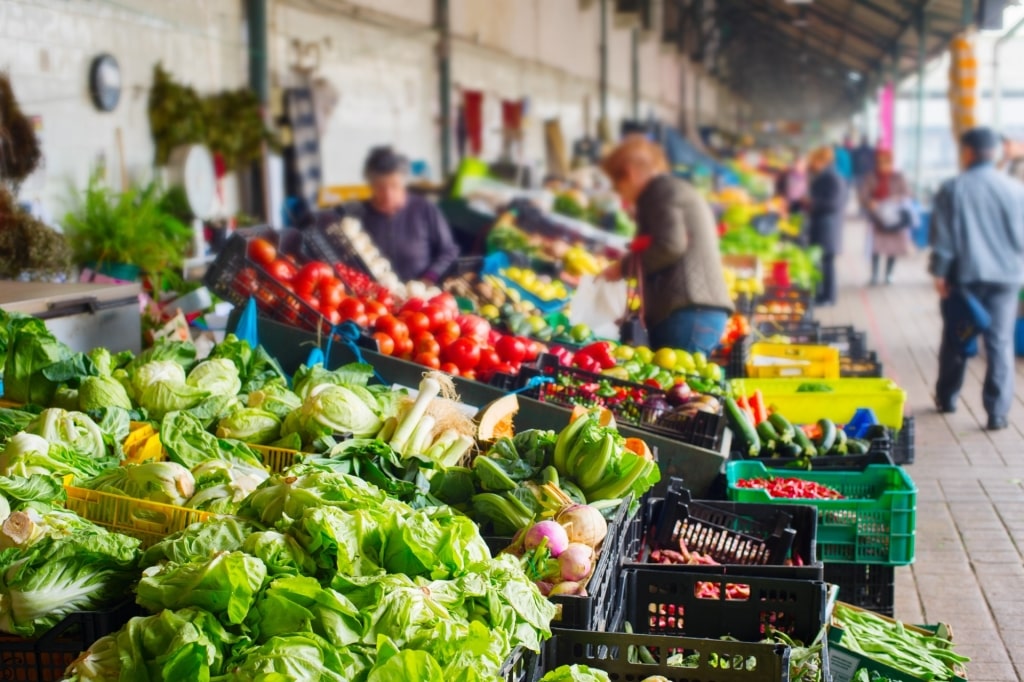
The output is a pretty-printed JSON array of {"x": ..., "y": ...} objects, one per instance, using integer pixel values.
[
  {"x": 164, "y": 482},
  {"x": 31, "y": 350},
  {"x": 54, "y": 563},
  {"x": 189, "y": 444},
  {"x": 27, "y": 454}
]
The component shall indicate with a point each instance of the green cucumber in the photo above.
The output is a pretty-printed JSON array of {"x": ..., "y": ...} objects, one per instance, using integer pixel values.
[
  {"x": 744, "y": 429},
  {"x": 828, "y": 436},
  {"x": 782, "y": 426},
  {"x": 856, "y": 446},
  {"x": 801, "y": 438},
  {"x": 840, "y": 447}
]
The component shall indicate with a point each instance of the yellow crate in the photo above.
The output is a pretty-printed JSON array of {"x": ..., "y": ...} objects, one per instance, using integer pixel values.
[
  {"x": 143, "y": 445},
  {"x": 883, "y": 396},
  {"x": 4, "y": 402},
  {"x": 276, "y": 459},
  {"x": 332, "y": 195},
  {"x": 148, "y": 521},
  {"x": 781, "y": 360}
]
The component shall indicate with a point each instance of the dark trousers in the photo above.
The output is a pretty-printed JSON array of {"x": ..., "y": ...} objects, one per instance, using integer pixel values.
[
  {"x": 690, "y": 329},
  {"x": 890, "y": 262},
  {"x": 827, "y": 288},
  {"x": 1000, "y": 300}
]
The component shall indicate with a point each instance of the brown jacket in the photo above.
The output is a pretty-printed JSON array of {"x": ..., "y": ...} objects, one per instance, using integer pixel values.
[{"x": 682, "y": 266}]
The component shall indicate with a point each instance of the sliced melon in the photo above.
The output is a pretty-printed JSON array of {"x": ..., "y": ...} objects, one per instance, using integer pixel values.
[{"x": 494, "y": 420}]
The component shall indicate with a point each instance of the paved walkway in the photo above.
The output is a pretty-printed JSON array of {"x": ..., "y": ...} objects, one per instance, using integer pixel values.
[{"x": 970, "y": 512}]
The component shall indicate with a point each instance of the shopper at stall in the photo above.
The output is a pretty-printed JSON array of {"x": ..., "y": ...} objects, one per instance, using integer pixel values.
[
  {"x": 686, "y": 300},
  {"x": 863, "y": 162},
  {"x": 885, "y": 195},
  {"x": 844, "y": 161},
  {"x": 408, "y": 229},
  {"x": 792, "y": 185},
  {"x": 977, "y": 240},
  {"x": 826, "y": 202}
]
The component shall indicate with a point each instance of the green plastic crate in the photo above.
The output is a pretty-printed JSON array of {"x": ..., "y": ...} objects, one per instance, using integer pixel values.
[
  {"x": 875, "y": 524},
  {"x": 847, "y": 395}
]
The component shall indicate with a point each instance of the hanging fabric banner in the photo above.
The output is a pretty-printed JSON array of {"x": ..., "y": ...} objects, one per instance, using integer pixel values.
[{"x": 886, "y": 109}]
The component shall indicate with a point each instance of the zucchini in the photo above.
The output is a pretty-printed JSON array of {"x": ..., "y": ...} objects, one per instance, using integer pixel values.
[
  {"x": 876, "y": 431},
  {"x": 828, "y": 435},
  {"x": 856, "y": 446},
  {"x": 801, "y": 438},
  {"x": 840, "y": 447},
  {"x": 790, "y": 450},
  {"x": 744, "y": 429},
  {"x": 769, "y": 439},
  {"x": 782, "y": 426}
]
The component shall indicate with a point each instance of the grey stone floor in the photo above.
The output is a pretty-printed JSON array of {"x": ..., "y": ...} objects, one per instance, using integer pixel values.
[{"x": 969, "y": 570}]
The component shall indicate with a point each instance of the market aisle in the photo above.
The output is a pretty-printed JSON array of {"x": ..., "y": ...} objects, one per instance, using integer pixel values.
[{"x": 970, "y": 514}]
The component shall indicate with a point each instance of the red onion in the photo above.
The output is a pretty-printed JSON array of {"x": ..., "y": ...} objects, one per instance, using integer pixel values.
[
  {"x": 576, "y": 562},
  {"x": 556, "y": 536}
]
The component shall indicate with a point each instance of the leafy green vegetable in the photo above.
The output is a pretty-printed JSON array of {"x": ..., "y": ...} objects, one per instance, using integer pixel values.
[
  {"x": 225, "y": 585},
  {"x": 575, "y": 673},
  {"x": 217, "y": 376},
  {"x": 200, "y": 540},
  {"x": 281, "y": 553},
  {"x": 295, "y": 657},
  {"x": 102, "y": 391},
  {"x": 275, "y": 398},
  {"x": 27, "y": 454},
  {"x": 16, "y": 491},
  {"x": 283, "y": 498},
  {"x": 12, "y": 421},
  {"x": 332, "y": 409},
  {"x": 250, "y": 425},
  {"x": 67, "y": 565},
  {"x": 165, "y": 482},
  {"x": 163, "y": 397},
  {"x": 74, "y": 430},
  {"x": 535, "y": 446},
  {"x": 189, "y": 444},
  {"x": 300, "y": 604},
  {"x": 31, "y": 348},
  {"x": 307, "y": 379},
  {"x": 407, "y": 664}
]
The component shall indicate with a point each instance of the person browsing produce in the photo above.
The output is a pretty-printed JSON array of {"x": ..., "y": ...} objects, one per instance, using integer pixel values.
[
  {"x": 407, "y": 229},
  {"x": 686, "y": 299}
]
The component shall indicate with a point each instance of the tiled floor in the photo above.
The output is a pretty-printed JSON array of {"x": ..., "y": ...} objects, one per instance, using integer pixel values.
[{"x": 970, "y": 514}]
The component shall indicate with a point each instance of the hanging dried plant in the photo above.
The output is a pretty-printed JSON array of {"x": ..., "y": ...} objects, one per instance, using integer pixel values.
[
  {"x": 27, "y": 246},
  {"x": 19, "y": 148}
]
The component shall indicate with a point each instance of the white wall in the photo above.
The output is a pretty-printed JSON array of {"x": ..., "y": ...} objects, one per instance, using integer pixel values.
[{"x": 47, "y": 46}]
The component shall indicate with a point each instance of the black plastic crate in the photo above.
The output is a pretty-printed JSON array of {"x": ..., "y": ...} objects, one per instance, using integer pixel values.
[
  {"x": 571, "y": 387},
  {"x": 903, "y": 447},
  {"x": 869, "y": 586},
  {"x": 594, "y": 611},
  {"x": 797, "y": 330},
  {"x": 713, "y": 660},
  {"x": 802, "y": 520},
  {"x": 847, "y": 340},
  {"x": 520, "y": 666},
  {"x": 236, "y": 278},
  {"x": 880, "y": 452},
  {"x": 690, "y": 604},
  {"x": 735, "y": 362},
  {"x": 327, "y": 242},
  {"x": 867, "y": 367},
  {"x": 46, "y": 658}
]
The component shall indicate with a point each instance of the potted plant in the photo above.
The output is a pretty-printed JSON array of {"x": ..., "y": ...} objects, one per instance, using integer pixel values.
[{"x": 127, "y": 234}]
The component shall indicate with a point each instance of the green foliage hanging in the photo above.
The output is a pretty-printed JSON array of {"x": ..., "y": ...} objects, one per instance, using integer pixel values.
[{"x": 229, "y": 122}]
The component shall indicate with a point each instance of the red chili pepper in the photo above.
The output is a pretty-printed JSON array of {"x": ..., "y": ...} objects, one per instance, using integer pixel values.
[{"x": 791, "y": 488}]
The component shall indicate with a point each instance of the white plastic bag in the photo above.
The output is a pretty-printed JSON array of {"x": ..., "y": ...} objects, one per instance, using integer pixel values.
[{"x": 599, "y": 304}]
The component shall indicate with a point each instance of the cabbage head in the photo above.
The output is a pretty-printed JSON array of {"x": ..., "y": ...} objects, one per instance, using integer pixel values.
[
  {"x": 250, "y": 425},
  {"x": 103, "y": 391},
  {"x": 218, "y": 377}
]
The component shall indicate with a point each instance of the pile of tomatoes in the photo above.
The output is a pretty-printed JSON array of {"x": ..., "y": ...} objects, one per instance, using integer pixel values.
[{"x": 428, "y": 332}]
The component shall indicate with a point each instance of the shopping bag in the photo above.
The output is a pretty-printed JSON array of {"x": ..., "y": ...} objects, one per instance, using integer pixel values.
[{"x": 598, "y": 303}]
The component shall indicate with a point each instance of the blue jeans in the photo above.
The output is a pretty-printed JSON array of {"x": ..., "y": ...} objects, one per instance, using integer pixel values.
[{"x": 690, "y": 329}]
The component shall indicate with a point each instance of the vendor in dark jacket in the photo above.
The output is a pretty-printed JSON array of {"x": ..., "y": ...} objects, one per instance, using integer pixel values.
[
  {"x": 408, "y": 229},
  {"x": 826, "y": 204},
  {"x": 686, "y": 300}
]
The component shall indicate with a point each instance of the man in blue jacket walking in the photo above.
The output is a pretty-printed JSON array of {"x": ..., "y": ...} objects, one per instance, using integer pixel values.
[{"x": 977, "y": 239}]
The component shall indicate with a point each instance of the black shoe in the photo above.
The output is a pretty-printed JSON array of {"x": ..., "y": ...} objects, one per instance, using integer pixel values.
[
  {"x": 944, "y": 408},
  {"x": 997, "y": 423}
]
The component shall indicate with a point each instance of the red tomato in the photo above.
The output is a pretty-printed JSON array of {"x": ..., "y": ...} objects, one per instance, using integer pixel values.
[
  {"x": 311, "y": 275},
  {"x": 446, "y": 301},
  {"x": 333, "y": 316},
  {"x": 393, "y": 327},
  {"x": 437, "y": 315},
  {"x": 493, "y": 337},
  {"x": 385, "y": 298},
  {"x": 533, "y": 349},
  {"x": 474, "y": 326},
  {"x": 463, "y": 352},
  {"x": 489, "y": 359},
  {"x": 413, "y": 305},
  {"x": 375, "y": 308},
  {"x": 385, "y": 344},
  {"x": 417, "y": 322},
  {"x": 404, "y": 347},
  {"x": 351, "y": 308},
  {"x": 332, "y": 293},
  {"x": 425, "y": 342},
  {"x": 262, "y": 252},
  {"x": 511, "y": 349},
  {"x": 282, "y": 270},
  {"x": 506, "y": 368},
  {"x": 447, "y": 332},
  {"x": 428, "y": 359},
  {"x": 361, "y": 321},
  {"x": 450, "y": 368}
]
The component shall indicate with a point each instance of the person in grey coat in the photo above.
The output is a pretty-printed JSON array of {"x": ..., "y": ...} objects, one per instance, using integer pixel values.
[
  {"x": 977, "y": 240},
  {"x": 827, "y": 201}
]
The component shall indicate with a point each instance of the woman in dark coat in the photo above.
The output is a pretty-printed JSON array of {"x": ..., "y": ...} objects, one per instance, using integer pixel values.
[{"x": 826, "y": 205}]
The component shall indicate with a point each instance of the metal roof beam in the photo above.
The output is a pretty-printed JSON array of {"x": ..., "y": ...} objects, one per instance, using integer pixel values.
[
  {"x": 786, "y": 41},
  {"x": 880, "y": 10}
]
